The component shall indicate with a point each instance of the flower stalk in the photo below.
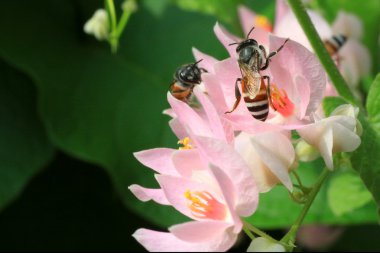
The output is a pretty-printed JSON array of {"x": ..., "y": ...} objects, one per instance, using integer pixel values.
[
  {"x": 289, "y": 238},
  {"x": 320, "y": 50}
]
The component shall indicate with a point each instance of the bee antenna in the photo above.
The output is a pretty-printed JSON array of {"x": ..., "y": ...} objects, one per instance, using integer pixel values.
[
  {"x": 233, "y": 43},
  {"x": 250, "y": 32},
  {"x": 197, "y": 62}
]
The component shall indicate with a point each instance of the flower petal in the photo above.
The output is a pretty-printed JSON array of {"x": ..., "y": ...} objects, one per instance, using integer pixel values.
[
  {"x": 294, "y": 60},
  {"x": 188, "y": 161},
  {"x": 178, "y": 129},
  {"x": 145, "y": 194},
  {"x": 281, "y": 10},
  {"x": 166, "y": 242},
  {"x": 348, "y": 25},
  {"x": 158, "y": 159},
  {"x": 277, "y": 153},
  {"x": 207, "y": 61},
  {"x": 199, "y": 231},
  {"x": 226, "y": 38},
  {"x": 176, "y": 187},
  {"x": 248, "y": 21},
  {"x": 225, "y": 157}
]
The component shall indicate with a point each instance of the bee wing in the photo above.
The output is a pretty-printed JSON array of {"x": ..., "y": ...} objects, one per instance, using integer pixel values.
[{"x": 252, "y": 80}]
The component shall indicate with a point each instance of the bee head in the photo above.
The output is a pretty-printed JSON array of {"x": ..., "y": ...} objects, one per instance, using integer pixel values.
[
  {"x": 189, "y": 74},
  {"x": 246, "y": 49}
]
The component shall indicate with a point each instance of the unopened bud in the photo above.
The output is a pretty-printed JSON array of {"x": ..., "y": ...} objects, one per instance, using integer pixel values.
[
  {"x": 98, "y": 25},
  {"x": 262, "y": 244},
  {"x": 305, "y": 152},
  {"x": 351, "y": 111}
]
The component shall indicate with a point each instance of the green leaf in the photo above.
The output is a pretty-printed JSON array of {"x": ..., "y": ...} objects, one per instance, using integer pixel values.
[
  {"x": 346, "y": 192},
  {"x": 24, "y": 146},
  {"x": 364, "y": 160},
  {"x": 373, "y": 104},
  {"x": 156, "y": 7},
  {"x": 276, "y": 210},
  {"x": 330, "y": 103}
]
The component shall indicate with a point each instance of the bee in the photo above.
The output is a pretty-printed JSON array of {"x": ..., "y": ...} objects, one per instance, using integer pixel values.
[
  {"x": 335, "y": 43},
  {"x": 253, "y": 59},
  {"x": 185, "y": 79}
]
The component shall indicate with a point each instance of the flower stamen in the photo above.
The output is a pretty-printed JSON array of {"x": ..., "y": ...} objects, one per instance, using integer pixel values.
[
  {"x": 186, "y": 142},
  {"x": 263, "y": 22},
  {"x": 281, "y": 101},
  {"x": 204, "y": 206}
]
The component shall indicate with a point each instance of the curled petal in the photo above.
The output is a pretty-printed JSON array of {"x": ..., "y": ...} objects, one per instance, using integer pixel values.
[
  {"x": 145, "y": 194},
  {"x": 158, "y": 159},
  {"x": 331, "y": 135}
]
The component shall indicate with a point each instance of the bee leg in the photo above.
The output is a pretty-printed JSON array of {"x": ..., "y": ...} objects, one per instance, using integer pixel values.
[
  {"x": 268, "y": 92},
  {"x": 272, "y": 54},
  {"x": 237, "y": 95}
]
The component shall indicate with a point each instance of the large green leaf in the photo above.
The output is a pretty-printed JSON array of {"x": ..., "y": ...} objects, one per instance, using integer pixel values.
[
  {"x": 24, "y": 147},
  {"x": 346, "y": 192}
]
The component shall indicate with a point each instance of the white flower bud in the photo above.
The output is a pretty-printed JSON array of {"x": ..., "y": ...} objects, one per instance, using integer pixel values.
[
  {"x": 262, "y": 244},
  {"x": 98, "y": 25},
  {"x": 129, "y": 6},
  {"x": 306, "y": 152},
  {"x": 349, "y": 110}
]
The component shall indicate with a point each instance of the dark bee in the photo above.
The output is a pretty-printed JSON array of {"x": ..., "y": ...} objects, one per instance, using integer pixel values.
[
  {"x": 185, "y": 79},
  {"x": 253, "y": 59},
  {"x": 335, "y": 43}
]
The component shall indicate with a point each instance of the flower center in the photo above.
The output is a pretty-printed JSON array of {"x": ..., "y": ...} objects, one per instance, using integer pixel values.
[
  {"x": 281, "y": 102},
  {"x": 263, "y": 22},
  {"x": 186, "y": 143},
  {"x": 204, "y": 206}
]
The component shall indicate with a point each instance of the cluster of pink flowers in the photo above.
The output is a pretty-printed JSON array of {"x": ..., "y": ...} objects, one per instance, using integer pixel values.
[{"x": 226, "y": 160}]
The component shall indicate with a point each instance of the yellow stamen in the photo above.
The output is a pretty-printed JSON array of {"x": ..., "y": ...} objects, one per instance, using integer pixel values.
[
  {"x": 204, "y": 206},
  {"x": 186, "y": 143}
]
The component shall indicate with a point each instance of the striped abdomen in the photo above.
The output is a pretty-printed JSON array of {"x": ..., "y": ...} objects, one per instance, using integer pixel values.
[
  {"x": 181, "y": 91},
  {"x": 334, "y": 43},
  {"x": 258, "y": 106}
]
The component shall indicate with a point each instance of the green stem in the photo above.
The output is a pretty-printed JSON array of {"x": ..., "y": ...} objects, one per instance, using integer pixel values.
[
  {"x": 113, "y": 40},
  {"x": 320, "y": 50},
  {"x": 248, "y": 232},
  {"x": 261, "y": 233},
  {"x": 289, "y": 238}
]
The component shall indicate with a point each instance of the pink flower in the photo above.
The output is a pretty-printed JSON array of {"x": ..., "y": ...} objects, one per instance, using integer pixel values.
[{"x": 213, "y": 194}]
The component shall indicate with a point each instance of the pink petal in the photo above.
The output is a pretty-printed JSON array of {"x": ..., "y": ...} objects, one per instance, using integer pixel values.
[
  {"x": 158, "y": 159},
  {"x": 176, "y": 187},
  {"x": 304, "y": 93},
  {"x": 277, "y": 153},
  {"x": 282, "y": 9},
  {"x": 215, "y": 92},
  {"x": 219, "y": 128},
  {"x": 292, "y": 61},
  {"x": 167, "y": 242},
  {"x": 145, "y": 194},
  {"x": 250, "y": 125},
  {"x": 248, "y": 20},
  {"x": 229, "y": 193},
  {"x": 226, "y": 38},
  {"x": 207, "y": 60},
  {"x": 188, "y": 117},
  {"x": 188, "y": 161},
  {"x": 290, "y": 28},
  {"x": 225, "y": 157},
  {"x": 178, "y": 128},
  {"x": 200, "y": 231}
]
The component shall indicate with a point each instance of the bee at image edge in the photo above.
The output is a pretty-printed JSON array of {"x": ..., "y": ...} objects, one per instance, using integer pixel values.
[
  {"x": 335, "y": 43},
  {"x": 185, "y": 79},
  {"x": 253, "y": 59}
]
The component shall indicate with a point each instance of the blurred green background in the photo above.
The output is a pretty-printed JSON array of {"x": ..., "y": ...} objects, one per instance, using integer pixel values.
[{"x": 72, "y": 113}]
